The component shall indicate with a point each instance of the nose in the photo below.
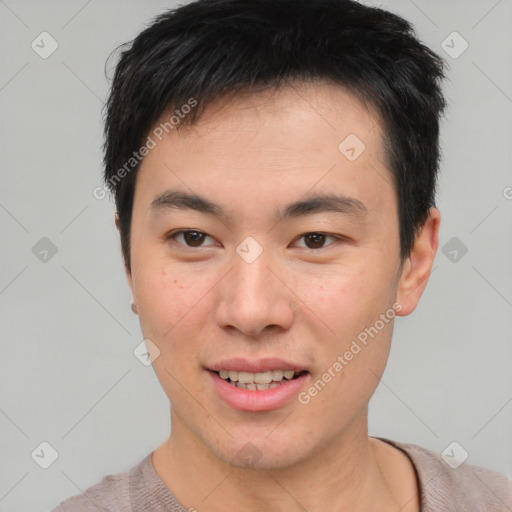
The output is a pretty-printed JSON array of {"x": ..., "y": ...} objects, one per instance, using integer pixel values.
[{"x": 254, "y": 298}]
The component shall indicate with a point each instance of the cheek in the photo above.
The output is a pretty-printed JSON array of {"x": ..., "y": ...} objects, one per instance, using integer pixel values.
[
  {"x": 355, "y": 342},
  {"x": 348, "y": 298},
  {"x": 165, "y": 298},
  {"x": 168, "y": 308}
]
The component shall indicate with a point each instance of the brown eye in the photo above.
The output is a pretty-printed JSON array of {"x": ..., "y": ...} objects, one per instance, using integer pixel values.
[
  {"x": 193, "y": 238},
  {"x": 190, "y": 238},
  {"x": 315, "y": 240}
]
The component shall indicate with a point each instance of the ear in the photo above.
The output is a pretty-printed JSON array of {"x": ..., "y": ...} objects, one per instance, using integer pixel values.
[
  {"x": 127, "y": 269},
  {"x": 418, "y": 266}
]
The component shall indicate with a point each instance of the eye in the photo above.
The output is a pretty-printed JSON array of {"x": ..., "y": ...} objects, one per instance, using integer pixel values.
[
  {"x": 191, "y": 238},
  {"x": 316, "y": 239}
]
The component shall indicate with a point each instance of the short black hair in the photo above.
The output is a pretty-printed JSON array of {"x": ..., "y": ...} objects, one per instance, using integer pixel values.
[{"x": 211, "y": 49}]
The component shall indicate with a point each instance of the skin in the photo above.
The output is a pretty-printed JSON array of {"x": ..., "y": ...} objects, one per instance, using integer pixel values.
[{"x": 299, "y": 301}]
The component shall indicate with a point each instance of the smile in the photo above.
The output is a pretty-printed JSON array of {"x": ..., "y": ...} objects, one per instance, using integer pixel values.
[{"x": 260, "y": 381}]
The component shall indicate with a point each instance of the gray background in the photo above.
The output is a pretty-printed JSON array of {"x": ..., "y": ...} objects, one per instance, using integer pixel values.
[{"x": 68, "y": 375}]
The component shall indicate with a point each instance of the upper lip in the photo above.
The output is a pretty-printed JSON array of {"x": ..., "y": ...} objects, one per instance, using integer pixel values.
[{"x": 241, "y": 364}]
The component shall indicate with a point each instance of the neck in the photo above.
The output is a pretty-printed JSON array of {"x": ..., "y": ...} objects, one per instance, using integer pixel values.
[{"x": 344, "y": 475}]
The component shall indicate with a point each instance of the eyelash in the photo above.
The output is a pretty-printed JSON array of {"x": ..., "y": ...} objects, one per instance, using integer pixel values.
[{"x": 172, "y": 236}]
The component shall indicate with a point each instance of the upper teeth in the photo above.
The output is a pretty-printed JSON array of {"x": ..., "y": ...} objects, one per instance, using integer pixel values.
[{"x": 257, "y": 378}]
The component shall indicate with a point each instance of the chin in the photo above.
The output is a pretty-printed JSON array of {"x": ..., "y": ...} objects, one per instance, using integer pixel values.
[{"x": 259, "y": 452}]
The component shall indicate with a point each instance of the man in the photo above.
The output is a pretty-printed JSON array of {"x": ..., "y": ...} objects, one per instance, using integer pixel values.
[{"x": 274, "y": 167}]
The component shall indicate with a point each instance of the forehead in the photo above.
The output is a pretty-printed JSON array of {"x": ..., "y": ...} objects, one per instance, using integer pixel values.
[
  {"x": 273, "y": 141},
  {"x": 305, "y": 108}
]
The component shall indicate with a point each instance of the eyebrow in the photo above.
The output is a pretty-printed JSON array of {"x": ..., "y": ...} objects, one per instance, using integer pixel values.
[{"x": 176, "y": 199}]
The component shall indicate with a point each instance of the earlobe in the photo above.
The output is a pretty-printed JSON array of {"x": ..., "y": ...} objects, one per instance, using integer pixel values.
[{"x": 418, "y": 266}]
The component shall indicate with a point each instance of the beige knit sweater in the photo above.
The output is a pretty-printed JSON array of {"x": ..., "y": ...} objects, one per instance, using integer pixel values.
[{"x": 468, "y": 488}]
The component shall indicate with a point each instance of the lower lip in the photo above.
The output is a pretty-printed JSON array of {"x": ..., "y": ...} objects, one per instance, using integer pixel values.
[{"x": 254, "y": 401}]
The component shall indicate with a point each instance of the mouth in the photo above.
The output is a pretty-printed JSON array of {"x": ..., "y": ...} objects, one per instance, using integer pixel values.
[
  {"x": 260, "y": 381},
  {"x": 257, "y": 386}
]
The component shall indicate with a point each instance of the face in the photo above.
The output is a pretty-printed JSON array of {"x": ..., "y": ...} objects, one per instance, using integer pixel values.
[{"x": 286, "y": 277}]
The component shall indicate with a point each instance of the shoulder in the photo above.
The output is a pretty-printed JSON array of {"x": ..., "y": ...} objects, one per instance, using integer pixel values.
[
  {"x": 451, "y": 486},
  {"x": 110, "y": 494}
]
